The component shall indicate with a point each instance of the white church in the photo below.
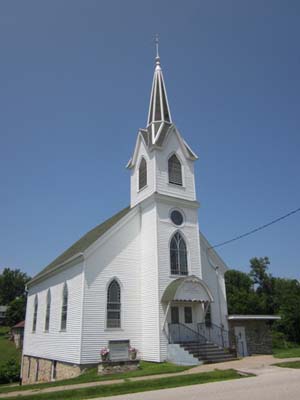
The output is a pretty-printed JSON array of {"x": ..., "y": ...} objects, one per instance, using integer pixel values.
[{"x": 146, "y": 277}]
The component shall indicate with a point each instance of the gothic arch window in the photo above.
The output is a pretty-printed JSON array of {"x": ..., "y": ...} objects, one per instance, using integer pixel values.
[
  {"x": 48, "y": 306},
  {"x": 64, "y": 308},
  {"x": 113, "y": 305},
  {"x": 178, "y": 255},
  {"x": 35, "y": 311},
  {"x": 175, "y": 170},
  {"x": 142, "y": 174}
]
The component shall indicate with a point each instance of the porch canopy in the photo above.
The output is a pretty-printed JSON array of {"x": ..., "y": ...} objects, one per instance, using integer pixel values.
[{"x": 188, "y": 288}]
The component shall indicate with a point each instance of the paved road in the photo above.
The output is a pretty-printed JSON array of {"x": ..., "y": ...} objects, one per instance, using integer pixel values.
[{"x": 272, "y": 383}]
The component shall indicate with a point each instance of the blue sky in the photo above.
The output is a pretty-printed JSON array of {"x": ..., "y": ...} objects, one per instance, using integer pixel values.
[{"x": 75, "y": 81}]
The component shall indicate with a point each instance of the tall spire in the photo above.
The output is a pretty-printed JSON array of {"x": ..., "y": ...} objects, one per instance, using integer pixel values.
[{"x": 159, "y": 111}]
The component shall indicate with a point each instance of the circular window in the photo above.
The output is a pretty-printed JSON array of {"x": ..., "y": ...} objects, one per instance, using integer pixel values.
[{"x": 176, "y": 217}]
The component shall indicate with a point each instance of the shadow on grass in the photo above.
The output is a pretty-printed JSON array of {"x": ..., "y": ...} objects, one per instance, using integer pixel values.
[{"x": 134, "y": 387}]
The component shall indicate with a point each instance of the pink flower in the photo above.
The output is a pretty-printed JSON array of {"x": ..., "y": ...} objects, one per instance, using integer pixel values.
[{"x": 104, "y": 351}]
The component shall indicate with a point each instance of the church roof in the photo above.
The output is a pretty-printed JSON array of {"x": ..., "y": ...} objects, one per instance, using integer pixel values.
[
  {"x": 82, "y": 244},
  {"x": 159, "y": 122},
  {"x": 87, "y": 240},
  {"x": 159, "y": 116}
]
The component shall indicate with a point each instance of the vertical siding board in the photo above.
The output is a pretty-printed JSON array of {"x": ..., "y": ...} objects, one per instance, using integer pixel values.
[
  {"x": 149, "y": 285},
  {"x": 166, "y": 229}
]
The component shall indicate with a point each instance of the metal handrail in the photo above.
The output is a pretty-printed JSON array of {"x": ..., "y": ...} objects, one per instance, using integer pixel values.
[
  {"x": 218, "y": 335},
  {"x": 180, "y": 333}
]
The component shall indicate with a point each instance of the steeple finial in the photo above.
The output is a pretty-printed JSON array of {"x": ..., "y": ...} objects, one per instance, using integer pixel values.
[
  {"x": 157, "y": 58},
  {"x": 159, "y": 113}
]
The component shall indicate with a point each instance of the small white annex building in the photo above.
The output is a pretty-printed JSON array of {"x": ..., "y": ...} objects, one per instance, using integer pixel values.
[{"x": 145, "y": 277}]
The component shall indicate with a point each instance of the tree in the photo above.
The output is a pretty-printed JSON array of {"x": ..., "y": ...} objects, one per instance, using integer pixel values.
[
  {"x": 16, "y": 311},
  {"x": 260, "y": 293},
  {"x": 241, "y": 297},
  {"x": 258, "y": 272},
  {"x": 12, "y": 285},
  {"x": 287, "y": 301}
]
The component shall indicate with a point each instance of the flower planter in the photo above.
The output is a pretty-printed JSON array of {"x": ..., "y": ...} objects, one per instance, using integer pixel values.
[{"x": 104, "y": 358}]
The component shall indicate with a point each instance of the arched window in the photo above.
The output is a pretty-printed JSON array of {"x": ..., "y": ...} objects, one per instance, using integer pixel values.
[
  {"x": 35, "y": 311},
  {"x": 64, "y": 308},
  {"x": 142, "y": 174},
  {"x": 174, "y": 169},
  {"x": 48, "y": 306},
  {"x": 178, "y": 255},
  {"x": 113, "y": 305}
]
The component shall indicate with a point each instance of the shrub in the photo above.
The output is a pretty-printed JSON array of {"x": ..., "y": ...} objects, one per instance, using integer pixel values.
[
  {"x": 10, "y": 371},
  {"x": 279, "y": 341}
]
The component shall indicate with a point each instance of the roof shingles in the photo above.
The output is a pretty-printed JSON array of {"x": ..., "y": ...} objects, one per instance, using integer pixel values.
[{"x": 82, "y": 244}]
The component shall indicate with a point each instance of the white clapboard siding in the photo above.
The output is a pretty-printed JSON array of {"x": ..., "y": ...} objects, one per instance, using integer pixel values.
[
  {"x": 149, "y": 284},
  {"x": 215, "y": 281},
  {"x": 118, "y": 257},
  {"x": 187, "y": 191},
  {"x": 57, "y": 345},
  {"x": 166, "y": 230},
  {"x": 137, "y": 195}
]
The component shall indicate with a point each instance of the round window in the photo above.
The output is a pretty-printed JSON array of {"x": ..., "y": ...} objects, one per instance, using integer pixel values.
[{"x": 176, "y": 217}]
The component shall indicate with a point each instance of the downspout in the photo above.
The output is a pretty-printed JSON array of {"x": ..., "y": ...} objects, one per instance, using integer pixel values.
[
  {"x": 82, "y": 308},
  {"x": 22, "y": 358},
  {"x": 216, "y": 268}
]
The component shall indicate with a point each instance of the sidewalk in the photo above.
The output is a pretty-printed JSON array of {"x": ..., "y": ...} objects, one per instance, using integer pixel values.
[{"x": 257, "y": 365}]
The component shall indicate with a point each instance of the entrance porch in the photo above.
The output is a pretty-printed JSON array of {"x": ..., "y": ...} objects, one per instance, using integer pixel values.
[{"x": 186, "y": 302}]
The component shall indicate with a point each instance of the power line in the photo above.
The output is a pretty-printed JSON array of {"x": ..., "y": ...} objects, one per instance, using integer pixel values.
[{"x": 256, "y": 229}]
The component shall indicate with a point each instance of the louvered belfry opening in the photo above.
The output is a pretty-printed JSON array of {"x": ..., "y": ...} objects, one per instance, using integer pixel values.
[
  {"x": 175, "y": 170},
  {"x": 142, "y": 174}
]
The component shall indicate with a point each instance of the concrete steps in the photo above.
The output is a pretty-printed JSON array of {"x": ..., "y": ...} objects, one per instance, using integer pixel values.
[{"x": 208, "y": 352}]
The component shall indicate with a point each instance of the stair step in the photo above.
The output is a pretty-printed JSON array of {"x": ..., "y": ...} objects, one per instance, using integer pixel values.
[
  {"x": 215, "y": 354},
  {"x": 208, "y": 352},
  {"x": 203, "y": 349},
  {"x": 217, "y": 361},
  {"x": 198, "y": 345},
  {"x": 219, "y": 355}
]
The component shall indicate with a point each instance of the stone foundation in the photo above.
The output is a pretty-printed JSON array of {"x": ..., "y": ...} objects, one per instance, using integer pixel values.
[
  {"x": 258, "y": 335},
  {"x": 43, "y": 370},
  {"x": 115, "y": 367}
]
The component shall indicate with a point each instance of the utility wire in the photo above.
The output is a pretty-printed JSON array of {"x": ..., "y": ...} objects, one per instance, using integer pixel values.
[{"x": 256, "y": 229}]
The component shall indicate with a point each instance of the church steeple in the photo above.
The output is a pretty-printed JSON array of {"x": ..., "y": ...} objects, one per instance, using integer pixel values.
[{"x": 159, "y": 111}]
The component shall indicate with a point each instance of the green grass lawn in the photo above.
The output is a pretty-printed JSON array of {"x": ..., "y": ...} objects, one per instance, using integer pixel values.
[
  {"x": 134, "y": 387},
  {"x": 291, "y": 364},
  {"x": 7, "y": 348},
  {"x": 146, "y": 368},
  {"x": 287, "y": 352}
]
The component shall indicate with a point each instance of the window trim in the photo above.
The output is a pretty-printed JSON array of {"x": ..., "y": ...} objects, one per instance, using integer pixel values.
[
  {"x": 64, "y": 312},
  {"x": 138, "y": 180},
  {"x": 120, "y": 327},
  {"x": 208, "y": 316},
  {"x": 179, "y": 274},
  {"x": 48, "y": 311},
  {"x": 35, "y": 312},
  {"x": 173, "y": 308},
  {"x": 184, "y": 311},
  {"x": 183, "y": 217}
]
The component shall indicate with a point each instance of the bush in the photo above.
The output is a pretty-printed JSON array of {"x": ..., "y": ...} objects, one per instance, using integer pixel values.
[
  {"x": 10, "y": 371},
  {"x": 279, "y": 341}
]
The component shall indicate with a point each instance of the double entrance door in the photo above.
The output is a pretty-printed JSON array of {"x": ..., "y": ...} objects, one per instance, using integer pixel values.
[{"x": 184, "y": 314}]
